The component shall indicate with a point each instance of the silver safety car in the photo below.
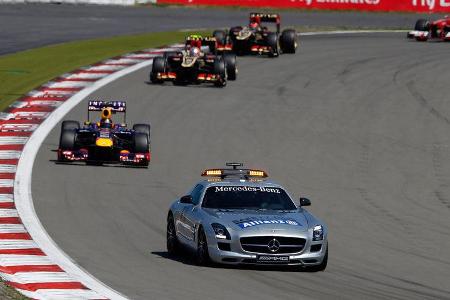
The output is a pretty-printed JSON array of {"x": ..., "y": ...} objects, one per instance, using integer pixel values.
[{"x": 237, "y": 216}]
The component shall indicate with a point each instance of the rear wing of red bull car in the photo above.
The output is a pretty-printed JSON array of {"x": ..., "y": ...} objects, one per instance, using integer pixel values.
[{"x": 111, "y": 106}]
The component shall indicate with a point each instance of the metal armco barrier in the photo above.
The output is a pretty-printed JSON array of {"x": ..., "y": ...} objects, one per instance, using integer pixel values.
[{"x": 363, "y": 5}]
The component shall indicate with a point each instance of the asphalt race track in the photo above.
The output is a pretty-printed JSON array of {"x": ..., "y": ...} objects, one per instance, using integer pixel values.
[
  {"x": 358, "y": 123},
  {"x": 26, "y": 26}
]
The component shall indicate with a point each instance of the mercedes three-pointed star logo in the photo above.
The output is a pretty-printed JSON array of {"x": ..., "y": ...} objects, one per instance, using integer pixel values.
[{"x": 273, "y": 245}]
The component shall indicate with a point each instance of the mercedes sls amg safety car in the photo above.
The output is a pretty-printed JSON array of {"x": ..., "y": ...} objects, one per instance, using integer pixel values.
[
  {"x": 257, "y": 38},
  {"x": 105, "y": 141},
  {"x": 196, "y": 63},
  {"x": 238, "y": 217},
  {"x": 426, "y": 29}
]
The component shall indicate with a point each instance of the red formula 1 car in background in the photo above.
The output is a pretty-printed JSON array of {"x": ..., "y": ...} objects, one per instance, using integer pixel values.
[
  {"x": 197, "y": 63},
  {"x": 426, "y": 29},
  {"x": 257, "y": 38}
]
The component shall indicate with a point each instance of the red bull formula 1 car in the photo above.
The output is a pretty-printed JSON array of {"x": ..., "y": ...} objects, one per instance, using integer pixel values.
[
  {"x": 105, "y": 141},
  {"x": 258, "y": 39},
  {"x": 426, "y": 29},
  {"x": 197, "y": 63}
]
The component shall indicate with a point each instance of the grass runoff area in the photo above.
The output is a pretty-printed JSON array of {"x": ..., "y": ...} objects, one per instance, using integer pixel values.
[{"x": 23, "y": 71}]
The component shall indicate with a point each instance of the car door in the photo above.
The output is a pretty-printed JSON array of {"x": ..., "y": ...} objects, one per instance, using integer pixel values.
[{"x": 189, "y": 214}]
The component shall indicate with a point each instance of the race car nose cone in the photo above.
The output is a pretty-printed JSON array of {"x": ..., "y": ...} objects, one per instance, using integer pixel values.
[{"x": 104, "y": 142}]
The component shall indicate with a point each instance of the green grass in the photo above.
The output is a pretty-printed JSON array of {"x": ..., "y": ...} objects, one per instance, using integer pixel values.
[{"x": 21, "y": 72}]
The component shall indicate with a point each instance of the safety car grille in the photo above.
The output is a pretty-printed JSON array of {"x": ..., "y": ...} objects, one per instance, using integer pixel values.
[{"x": 283, "y": 245}]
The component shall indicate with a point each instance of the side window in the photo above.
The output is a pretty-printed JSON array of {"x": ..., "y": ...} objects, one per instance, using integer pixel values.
[{"x": 196, "y": 193}]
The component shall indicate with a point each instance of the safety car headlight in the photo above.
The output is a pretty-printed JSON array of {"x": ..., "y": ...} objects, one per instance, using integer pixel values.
[
  {"x": 318, "y": 233},
  {"x": 221, "y": 232}
]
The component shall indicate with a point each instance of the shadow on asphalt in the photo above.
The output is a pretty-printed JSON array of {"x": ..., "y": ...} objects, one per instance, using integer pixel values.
[{"x": 189, "y": 260}]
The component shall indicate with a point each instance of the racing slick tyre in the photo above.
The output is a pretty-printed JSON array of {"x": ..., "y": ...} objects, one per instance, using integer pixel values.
[
  {"x": 158, "y": 66},
  {"x": 145, "y": 128},
  {"x": 221, "y": 36},
  {"x": 140, "y": 142},
  {"x": 202, "y": 255},
  {"x": 272, "y": 42},
  {"x": 322, "y": 266},
  {"x": 67, "y": 139},
  {"x": 230, "y": 64},
  {"x": 172, "y": 243},
  {"x": 422, "y": 25},
  {"x": 288, "y": 41},
  {"x": 70, "y": 125},
  {"x": 220, "y": 70}
]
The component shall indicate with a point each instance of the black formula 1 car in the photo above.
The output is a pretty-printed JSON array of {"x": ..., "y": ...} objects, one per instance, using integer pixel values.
[
  {"x": 197, "y": 63},
  {"x": 103, "y": 141},
  {"x": 258, "y": 39}
]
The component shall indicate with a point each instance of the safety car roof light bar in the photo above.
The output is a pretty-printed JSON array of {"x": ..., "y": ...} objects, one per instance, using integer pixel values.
[{"x": 241, "y": 173}]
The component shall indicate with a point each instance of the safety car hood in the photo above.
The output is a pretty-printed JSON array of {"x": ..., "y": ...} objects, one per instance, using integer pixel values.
[{"x": 251, "y": 220}]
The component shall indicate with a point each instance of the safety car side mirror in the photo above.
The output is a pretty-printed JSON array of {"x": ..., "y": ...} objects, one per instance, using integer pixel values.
[
  {"x": 305, "y": 202},
  {"x": 186, "y": 199}
]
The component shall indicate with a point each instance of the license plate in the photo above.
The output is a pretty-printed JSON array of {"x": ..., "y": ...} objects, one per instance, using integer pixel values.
[{"x": 272, "y": 259}]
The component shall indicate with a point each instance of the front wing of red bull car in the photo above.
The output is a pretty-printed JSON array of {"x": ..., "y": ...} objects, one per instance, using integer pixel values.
[{"x": 105, "y": 142}]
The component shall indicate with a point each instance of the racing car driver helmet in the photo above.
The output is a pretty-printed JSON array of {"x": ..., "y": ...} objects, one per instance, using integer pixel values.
[
  {"x": 194, "y": 52},
  {"x": 254, "y": 25},
  {"x": 254, "y": 22},
  {"x": 105, "y": 123}
]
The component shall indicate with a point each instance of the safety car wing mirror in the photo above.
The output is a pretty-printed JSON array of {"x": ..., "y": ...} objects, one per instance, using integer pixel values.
[
  {"x": 305, "y": 202},
  {"x": 186, "y": 199}
]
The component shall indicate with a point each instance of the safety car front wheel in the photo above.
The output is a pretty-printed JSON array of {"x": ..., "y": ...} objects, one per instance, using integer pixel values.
[
  {"x": 171, "y": 237},
  {"x": 202, "y": 255}
]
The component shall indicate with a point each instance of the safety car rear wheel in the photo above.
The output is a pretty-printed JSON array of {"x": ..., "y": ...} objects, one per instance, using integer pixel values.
[
  {"x": 158, "y": 66},
  {"x": 171, "y": 237},
  {"x": 202, "y": 255},
  {"x": 288, "y": 41},
  {"x": 230, "y": 64},
  {"x": 272, "y": 42}
]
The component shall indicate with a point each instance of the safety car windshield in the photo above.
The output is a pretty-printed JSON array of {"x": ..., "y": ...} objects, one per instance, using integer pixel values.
[{"x": 247, "y": 197}]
